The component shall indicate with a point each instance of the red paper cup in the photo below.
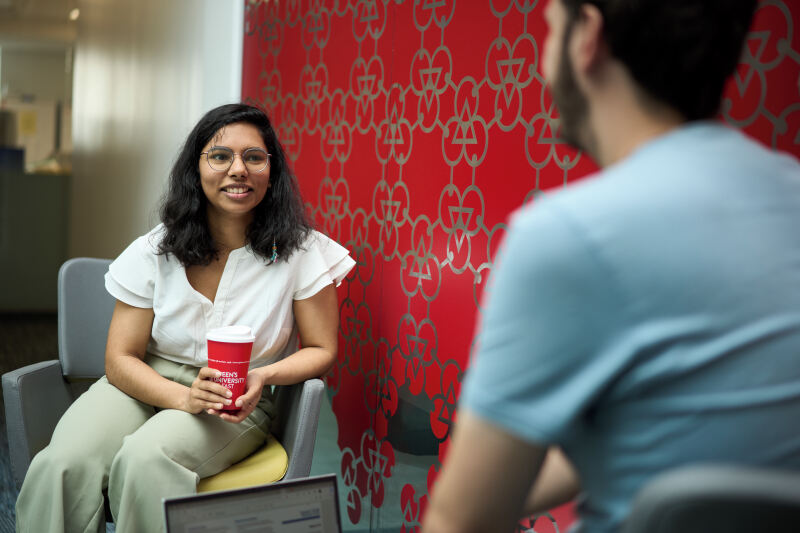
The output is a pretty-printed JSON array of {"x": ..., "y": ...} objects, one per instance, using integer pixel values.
[{"x": 229, "y": 352}]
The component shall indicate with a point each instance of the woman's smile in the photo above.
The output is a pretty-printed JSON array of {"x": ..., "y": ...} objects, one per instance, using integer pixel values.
[{"x": 237, "y": 190}]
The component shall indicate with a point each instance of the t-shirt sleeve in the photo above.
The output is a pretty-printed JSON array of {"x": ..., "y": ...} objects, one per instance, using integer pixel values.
[
  {"x": 322, "y": 262},
  {"x": 546, "y": 348},
  {"x": 131, "y": 276}
]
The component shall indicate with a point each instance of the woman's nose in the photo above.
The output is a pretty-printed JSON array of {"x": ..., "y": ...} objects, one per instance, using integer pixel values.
[{"x": 237, "y": 166}]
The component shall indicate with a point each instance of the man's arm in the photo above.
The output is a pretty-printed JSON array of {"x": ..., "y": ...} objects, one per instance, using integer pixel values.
[
  {"x": 485, "y": 480},
  {"x": 556, "y": 484}
]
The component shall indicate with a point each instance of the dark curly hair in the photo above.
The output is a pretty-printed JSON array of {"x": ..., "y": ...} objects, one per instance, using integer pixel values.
[{"x": 280, "y": 217}]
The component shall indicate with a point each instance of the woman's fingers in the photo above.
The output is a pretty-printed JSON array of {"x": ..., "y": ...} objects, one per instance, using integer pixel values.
[
  {"x": 208, "y": 373},
  {"x": 237, "y": 416},
  {"x": 211, "y": 396},
  {"x": 207, "y": 390},
  {"x": 205, "y": 394},
  {"x": 246, "y": 399},
  {"x": 252, "y": 394},
  {"x": 246, "y": 404},
  {"x": 196, "y": 403},
  {"x": 204, "y": 381}
]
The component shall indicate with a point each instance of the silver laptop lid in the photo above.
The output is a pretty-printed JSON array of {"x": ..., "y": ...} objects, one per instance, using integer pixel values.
[{"x": 298, "y": 505}]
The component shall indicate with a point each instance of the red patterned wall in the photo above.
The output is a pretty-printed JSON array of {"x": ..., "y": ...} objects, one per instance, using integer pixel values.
[{"x": 415, "y": 127}]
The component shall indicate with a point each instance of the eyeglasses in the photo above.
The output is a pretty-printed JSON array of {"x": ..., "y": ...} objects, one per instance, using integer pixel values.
[{"x": 220, "y": 158}]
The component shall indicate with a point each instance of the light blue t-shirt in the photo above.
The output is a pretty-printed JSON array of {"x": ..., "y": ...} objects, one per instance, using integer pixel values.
[{"x": 649, "y": 317}]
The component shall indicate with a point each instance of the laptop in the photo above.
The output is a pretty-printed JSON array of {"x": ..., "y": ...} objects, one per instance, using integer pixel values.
[{"x": 294, "y": 506}]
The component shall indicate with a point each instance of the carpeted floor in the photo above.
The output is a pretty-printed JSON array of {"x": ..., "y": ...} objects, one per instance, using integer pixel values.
[{"x": 24, "y": 339}]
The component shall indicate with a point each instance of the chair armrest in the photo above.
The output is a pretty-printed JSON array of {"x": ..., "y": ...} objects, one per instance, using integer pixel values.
[
  {"x": 300, "y": 431},
  {"x": 35, "y": 397}
]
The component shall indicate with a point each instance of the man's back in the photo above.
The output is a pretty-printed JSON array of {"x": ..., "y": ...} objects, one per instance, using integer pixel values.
[{"x": 651, "y": 317}]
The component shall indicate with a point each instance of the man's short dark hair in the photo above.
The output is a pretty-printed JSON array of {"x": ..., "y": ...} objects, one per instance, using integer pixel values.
[{"x": 680, "y": 52}]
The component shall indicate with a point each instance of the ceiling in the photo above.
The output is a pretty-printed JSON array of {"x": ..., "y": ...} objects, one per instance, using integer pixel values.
[
  {"x": 36, "y": 22},
  {"x": 37, "y": 9}
]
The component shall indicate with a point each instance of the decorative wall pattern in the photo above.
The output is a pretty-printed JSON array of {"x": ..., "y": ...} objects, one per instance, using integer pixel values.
[
  {"x": 415, "y": 127},
  {"x": 763, "y": 96}
]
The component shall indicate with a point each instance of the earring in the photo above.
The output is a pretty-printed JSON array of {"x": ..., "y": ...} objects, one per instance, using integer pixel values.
[{"x": 274, "y": 256}]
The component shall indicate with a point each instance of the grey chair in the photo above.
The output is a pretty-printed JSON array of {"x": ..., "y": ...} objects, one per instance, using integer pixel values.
[
  {"x": 37, "y": 395},
  {"x": 718, "y": 498}
]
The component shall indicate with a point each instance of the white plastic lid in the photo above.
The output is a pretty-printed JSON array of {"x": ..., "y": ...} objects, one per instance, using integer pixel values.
[{"x": 231, "y": 334}]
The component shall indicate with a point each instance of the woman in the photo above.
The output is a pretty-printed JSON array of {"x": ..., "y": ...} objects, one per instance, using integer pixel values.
[{"x": 234, "y": 247}]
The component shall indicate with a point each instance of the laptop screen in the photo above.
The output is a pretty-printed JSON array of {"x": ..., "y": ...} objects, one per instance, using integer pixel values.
[{"x": 295, "y": 506}]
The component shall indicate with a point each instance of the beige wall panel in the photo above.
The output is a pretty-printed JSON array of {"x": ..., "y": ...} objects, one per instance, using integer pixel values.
[{"x": 145, "y": 72}]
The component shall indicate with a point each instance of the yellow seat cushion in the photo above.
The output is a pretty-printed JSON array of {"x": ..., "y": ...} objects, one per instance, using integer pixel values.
[{"x": 266, "y": 465}]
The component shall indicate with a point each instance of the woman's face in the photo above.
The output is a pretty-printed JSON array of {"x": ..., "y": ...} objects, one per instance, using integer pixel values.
[{"x": 238, "y": 190}]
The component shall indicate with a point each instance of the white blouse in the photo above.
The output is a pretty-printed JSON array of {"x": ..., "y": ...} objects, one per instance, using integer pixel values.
[{"x": 250, "y": 293}]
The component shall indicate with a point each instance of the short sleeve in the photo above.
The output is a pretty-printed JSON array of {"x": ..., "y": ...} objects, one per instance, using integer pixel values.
[
  {"x": 322, "y": 262},
  {"x": 131, "y": 277},
  {"x": 547, "y": 345}
]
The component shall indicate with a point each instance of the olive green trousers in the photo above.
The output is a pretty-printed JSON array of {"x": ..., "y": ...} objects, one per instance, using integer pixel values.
[{"x": 109, "y": 443}]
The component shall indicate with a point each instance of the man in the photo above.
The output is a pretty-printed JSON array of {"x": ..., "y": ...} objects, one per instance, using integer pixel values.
[{"x": 645, "y": 318}]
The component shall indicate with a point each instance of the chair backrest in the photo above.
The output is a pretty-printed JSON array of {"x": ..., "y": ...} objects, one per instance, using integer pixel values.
[
  {"x": 718, "y": 498},
  {"x": 295, "y": 426},
  {"x": 84, "y": 313}
]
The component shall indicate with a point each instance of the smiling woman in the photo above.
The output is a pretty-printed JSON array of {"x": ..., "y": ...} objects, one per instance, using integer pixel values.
[
  {"x": 234, "y": 248},
  {"x": 278, "y": 223},
  {"x": 235, "y": 186}
]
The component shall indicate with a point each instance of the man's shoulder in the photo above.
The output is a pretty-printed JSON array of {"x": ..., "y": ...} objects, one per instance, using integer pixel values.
[
  {"x": 692, "y": 164},
  {"x": 702, "y": 149}
]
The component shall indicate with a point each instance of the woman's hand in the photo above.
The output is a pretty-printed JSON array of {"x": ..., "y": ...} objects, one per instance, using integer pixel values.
[
  {"x": 205, "y": 394},
  {"x": 317, "y": 323},
  {"x": 246, "y": 402}
]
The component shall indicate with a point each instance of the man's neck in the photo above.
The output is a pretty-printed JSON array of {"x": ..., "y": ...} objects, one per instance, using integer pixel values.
[{"x": 622, "y": 122}]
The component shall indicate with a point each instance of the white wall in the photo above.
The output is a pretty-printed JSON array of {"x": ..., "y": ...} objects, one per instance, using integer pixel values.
[
  {"x": 145, "y": 72},
  {"x": 36, "y": 84},
  {"x": 41, "y": 72}
]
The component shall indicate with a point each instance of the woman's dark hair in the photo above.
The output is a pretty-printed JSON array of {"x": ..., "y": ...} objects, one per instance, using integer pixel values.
[
  {"x": 680, "y": 52},
  {"x": 280, "y": 218}
]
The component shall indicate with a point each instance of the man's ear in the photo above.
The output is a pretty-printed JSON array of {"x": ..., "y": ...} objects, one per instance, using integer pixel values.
[{"x": 587, "y": 46}]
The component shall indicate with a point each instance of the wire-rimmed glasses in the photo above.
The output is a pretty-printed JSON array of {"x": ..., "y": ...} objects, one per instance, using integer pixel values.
[{"x": 220, "y": 158}]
